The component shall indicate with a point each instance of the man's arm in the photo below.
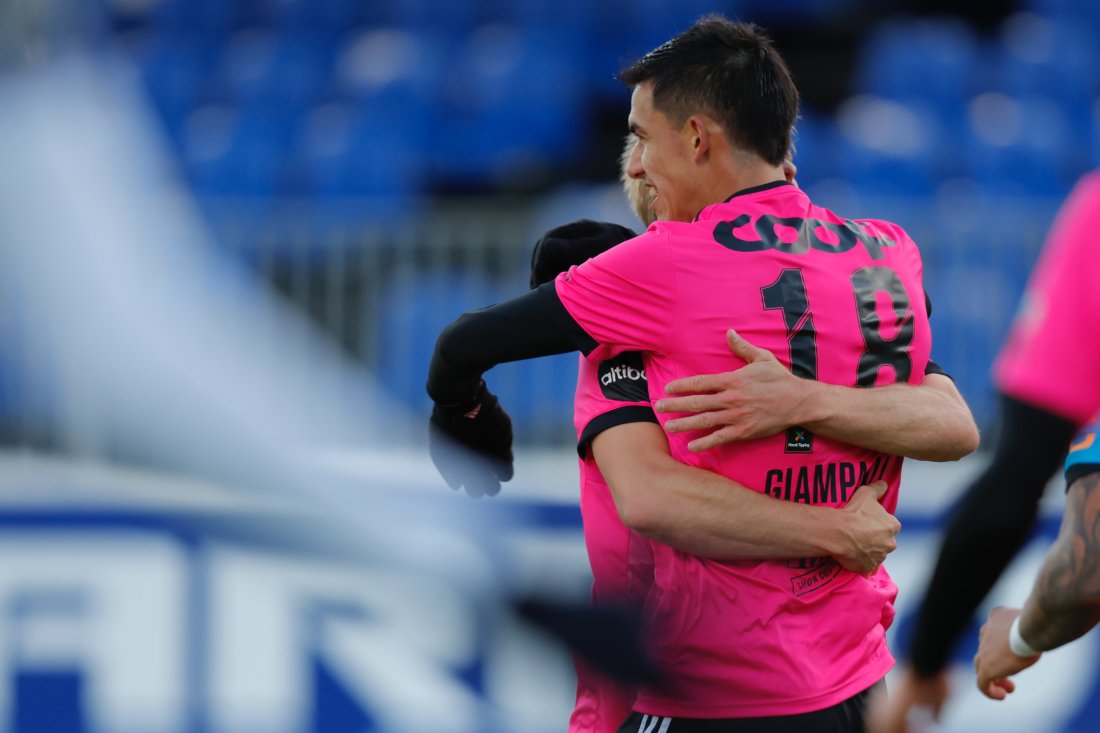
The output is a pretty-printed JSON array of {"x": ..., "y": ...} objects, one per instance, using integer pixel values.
[
  {"x": 929, "y": 422},
  {"x": 705, "y": 514},
  {"x": 537, "y": 324},
  {"x": 1064, "y": 603},
  {"x": 532, "y": 325}
]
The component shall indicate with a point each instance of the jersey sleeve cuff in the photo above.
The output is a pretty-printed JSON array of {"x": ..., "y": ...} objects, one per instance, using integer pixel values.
[
  {"x": 606, "y": 421},
  {"x": 934, "y": 368},
  {"x": 1077, "y": 470}
]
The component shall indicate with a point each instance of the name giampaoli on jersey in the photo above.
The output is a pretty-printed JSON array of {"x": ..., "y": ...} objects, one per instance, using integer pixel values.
[{"x": 824, "y": 483}]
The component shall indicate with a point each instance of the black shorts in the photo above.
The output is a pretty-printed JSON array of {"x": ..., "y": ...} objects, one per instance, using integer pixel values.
[{"x": 844, "y": 717}]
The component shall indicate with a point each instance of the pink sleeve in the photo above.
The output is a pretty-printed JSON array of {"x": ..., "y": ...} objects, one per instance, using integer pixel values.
[
  {"x": 610, "y": 393},
  {"x": 625, "y": 298},
  {"x": 1052, "y": 356}
]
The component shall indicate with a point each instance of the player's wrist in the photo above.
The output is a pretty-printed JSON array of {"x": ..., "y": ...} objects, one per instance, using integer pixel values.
[
  {"x": 464, "y": 400},
  {"x": 1017, "y": 643},
  {"x": 816, "y": 405},
  {"x": 835, "y": 535}
]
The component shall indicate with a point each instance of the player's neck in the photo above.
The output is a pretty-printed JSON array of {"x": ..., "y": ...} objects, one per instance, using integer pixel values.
[
  {"x": 750, "y": 172},
  {"x": 729, "y": 174}
]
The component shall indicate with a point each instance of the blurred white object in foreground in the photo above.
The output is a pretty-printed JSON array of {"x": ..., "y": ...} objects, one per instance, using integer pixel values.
[
  {"x": 143, "y": 337},
  {"x": 140, "y": 342}
]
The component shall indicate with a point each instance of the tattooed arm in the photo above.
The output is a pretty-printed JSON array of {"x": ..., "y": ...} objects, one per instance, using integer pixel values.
[{"x": 1065, "y": 602}]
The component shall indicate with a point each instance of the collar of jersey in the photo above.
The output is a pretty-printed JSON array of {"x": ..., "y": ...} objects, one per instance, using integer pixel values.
[{"x": 746, "y": 192}]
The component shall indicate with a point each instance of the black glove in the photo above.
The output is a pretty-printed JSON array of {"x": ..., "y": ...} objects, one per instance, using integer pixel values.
[
  {"x": 571, "y": 244},
  {"x": 471, "y": 444}
]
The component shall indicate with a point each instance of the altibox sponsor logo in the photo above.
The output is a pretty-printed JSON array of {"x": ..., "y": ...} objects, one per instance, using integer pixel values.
[{"x": 623, "y": 378}]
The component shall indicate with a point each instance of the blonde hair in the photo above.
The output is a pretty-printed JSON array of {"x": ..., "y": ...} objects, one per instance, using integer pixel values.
[{"x": 635, "y": 189}]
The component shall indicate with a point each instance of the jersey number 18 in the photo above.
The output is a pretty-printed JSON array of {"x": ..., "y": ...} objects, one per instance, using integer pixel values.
[{"x": 788, "y": 294}]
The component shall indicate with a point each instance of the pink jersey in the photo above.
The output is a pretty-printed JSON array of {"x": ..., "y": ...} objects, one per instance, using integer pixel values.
[
  {"x": 836, "y": 300},
  {"x": 1052, "y": 356},
  {"x": 609, "y": 393}
]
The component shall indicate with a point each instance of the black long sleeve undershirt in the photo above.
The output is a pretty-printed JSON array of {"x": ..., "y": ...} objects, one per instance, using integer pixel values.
[
  {"x": 534, "y": 324},
  {"x": 988, "y": 527}
]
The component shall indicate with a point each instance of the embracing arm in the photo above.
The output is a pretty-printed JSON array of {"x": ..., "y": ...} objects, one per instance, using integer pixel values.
[
  {"x": 928, "y": 422},
  {"x": 532, "y": 325},
  {"x": 705, "y": 514}
]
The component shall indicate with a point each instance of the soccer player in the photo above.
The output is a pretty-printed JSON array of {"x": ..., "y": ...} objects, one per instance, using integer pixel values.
[
  {"x": 612, "y": 398},
  {"x": 791, "y": 644},
  {"x": 613, "y": 394},
  {"x": 1048, "y": 380}
]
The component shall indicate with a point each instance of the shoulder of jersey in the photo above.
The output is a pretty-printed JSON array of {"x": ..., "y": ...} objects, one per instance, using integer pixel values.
[{"x": 888, "y": 229}]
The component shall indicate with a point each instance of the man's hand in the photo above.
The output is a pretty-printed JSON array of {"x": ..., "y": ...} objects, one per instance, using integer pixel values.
[
  {"x": 471, "y": 444},
  {"x": 890, "y": 714},
  {"x": 995, "y": 660},
  {"x": 572, "y": 244},
  {"x": 871, "y": 530},
  {"x": 755, "y": 401}
]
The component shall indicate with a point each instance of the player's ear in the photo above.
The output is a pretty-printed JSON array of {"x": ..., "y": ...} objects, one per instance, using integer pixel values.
[{"x": 699, "y": 132}]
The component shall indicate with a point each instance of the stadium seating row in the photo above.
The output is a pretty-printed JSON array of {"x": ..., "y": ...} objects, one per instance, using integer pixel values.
[{"x": 280, "y": 99}]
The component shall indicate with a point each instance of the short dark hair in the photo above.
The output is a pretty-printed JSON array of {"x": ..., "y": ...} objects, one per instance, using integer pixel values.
[{"x": 729, "y": 71}]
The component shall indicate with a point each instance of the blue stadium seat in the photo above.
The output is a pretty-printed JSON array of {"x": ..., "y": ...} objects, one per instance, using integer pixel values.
[
  {"x": 1019, "y": 146},
  {"x": 174, "y": 67},
  {"x": 360, "y": 161},
  {"x": 797, "y": 12},
  {"x": 406, "y": 64},
  {"x": 1043, "y": 57},
  {"x": 371, "y": 137},
  {"x": 576, "y": 16},
  {"x": 659, "y": 18},
  {"x": 232, "y": 151},
  {"x": 1061, "y": 8},
  {"x": 457, "y": 17},
  {"x": 1049, "y": 65},
  {"x": 932, "y": 60},
  {"x": 976, "y": 272},
  {"x": 553, "y": 107},
  {"x": 320, "y": 16},
  {"x": 261, "y": 66},
  {"x": 208, "y": 16},
  {"x": 886, "y": 147},
  {"x": 512, "y": 106}
]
